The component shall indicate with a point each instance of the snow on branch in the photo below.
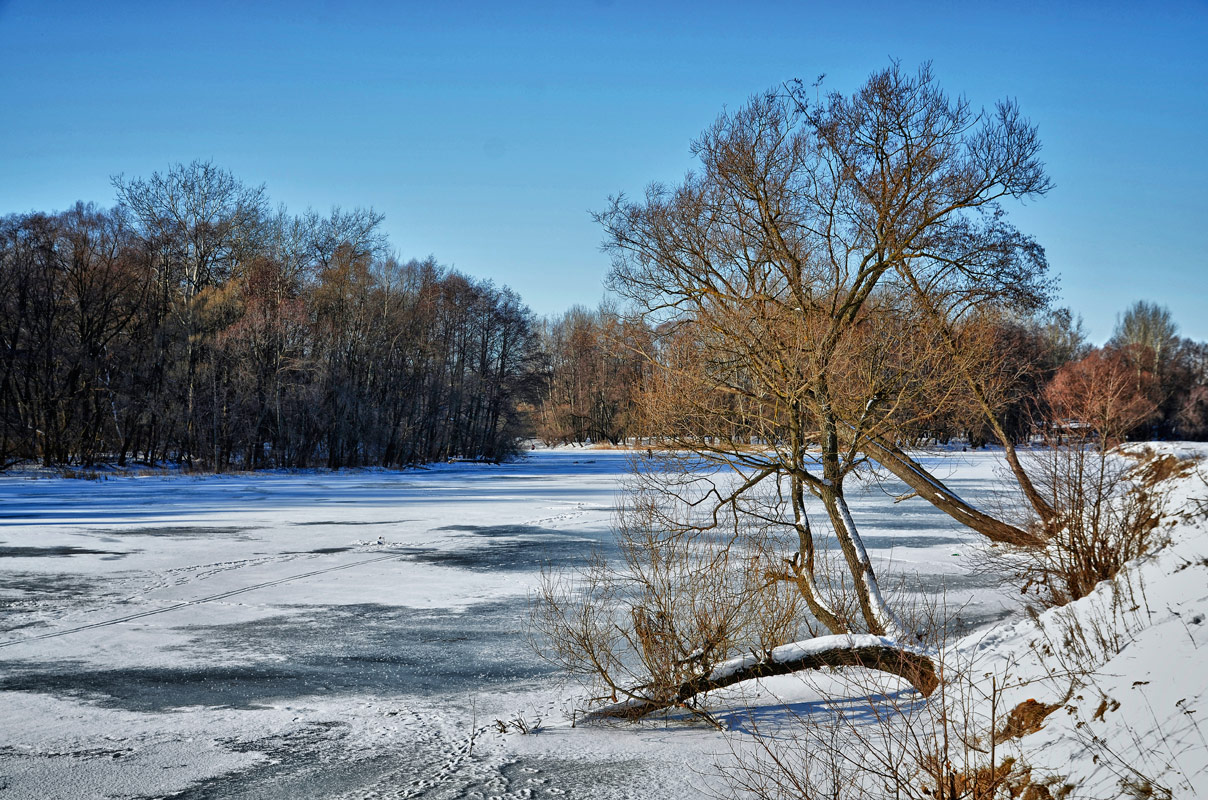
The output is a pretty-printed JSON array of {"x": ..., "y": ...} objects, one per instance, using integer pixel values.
[{"x": 844, "y": 650}]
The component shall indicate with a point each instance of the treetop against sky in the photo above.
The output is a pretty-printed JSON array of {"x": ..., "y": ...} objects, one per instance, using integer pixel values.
[{"x": 487, "y": 132}]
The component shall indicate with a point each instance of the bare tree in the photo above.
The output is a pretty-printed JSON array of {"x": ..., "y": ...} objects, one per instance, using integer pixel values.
[
  {"x": 1149, "y": 326},
  {"x": 793, "y": 279},
  {"x": 594, "y": 366},
  {"x": 1103, "y": 395},
  {"x": 202, "y": 222}
]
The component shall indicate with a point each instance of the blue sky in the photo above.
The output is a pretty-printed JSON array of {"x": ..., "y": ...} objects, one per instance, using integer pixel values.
[{"x": 487, "y": 132}]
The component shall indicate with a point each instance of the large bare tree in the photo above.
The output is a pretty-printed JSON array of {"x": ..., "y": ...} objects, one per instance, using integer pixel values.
[{"x": 807, "y": 282}]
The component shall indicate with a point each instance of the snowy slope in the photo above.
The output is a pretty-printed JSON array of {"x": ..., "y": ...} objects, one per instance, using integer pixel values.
[{"x": 1128, "y": 666}]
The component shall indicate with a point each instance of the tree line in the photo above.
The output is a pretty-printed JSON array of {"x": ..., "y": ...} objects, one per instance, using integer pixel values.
[
  {"x": 194, "y": 323},
  {"x": 598, "y": 383}
]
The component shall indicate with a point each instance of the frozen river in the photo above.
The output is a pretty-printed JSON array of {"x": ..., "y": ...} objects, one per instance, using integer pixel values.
[{"x": 338, "y": 635}]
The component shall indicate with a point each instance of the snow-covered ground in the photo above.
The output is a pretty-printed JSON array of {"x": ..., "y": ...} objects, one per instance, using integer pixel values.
[
  {"x": 357, "y": 634},
  {"x": 1127, "y": 665}
]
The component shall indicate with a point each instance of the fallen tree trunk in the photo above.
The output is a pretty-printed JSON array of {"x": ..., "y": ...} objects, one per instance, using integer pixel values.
[
  {"x": 935, "y": 492},
  {"x": 844, "y": 650}
]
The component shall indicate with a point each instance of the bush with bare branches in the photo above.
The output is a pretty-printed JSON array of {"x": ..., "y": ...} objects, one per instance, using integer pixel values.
[
  {"x": 681, "y": 599},
  {"x": 1109, "y": 506}
]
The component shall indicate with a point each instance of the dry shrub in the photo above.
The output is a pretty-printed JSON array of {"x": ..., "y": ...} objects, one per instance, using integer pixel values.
[
  {"x": 1109, "y": 505},
  {"x": 701, "y": 578},
  {"x": 882, "y": 742},
  {"x": 1154, "y": 469},
  {"x": 1106, "y": 501},
  {"x": 678, "y": 601}
]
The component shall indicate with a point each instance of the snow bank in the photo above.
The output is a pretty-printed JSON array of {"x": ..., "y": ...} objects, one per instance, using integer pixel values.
[{"x": 1127, "y": 665}]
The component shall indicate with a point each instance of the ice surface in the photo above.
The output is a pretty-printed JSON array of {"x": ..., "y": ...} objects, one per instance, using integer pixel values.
[{"x": 347, "y": 634}]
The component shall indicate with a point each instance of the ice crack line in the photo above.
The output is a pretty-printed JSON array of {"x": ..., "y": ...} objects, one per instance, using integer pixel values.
[{"x": 198, "y": 601}]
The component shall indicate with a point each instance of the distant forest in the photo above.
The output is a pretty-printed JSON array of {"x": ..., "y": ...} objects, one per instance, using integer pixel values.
[{"x": 194, "y": 323}]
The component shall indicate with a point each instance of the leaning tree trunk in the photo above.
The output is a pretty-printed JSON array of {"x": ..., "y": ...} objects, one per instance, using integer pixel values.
[
  {"x": 847, "y": 650},
  {"x": 935, "y": 492},
  {"x": 1040, "y": 505}
]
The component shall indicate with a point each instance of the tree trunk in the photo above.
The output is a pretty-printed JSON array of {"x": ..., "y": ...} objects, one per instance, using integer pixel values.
[
  {"x": 802, "y": 565},
  {"x": 878, "y": 616},
  {"x": 935, "y": 492},
  {"x": 870, "y": 652}
]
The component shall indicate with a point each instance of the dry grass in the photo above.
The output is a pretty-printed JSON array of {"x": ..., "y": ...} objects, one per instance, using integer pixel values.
[
  {"x": 1110, "y": 506},
  {"x": 901, "y": 746},
  {"x": 1027, "y": 717}
]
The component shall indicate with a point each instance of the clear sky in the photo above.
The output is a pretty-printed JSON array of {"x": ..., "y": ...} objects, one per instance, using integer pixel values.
[{"x": 487, "y": 132}]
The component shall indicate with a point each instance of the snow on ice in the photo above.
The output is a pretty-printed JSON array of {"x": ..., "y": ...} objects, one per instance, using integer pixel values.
[{"x": 356, "y": 634}]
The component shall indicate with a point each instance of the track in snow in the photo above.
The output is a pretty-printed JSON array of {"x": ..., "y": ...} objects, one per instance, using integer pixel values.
[{"x": 197, "y": 601}]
